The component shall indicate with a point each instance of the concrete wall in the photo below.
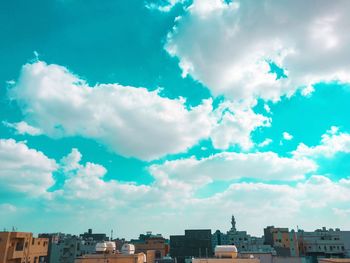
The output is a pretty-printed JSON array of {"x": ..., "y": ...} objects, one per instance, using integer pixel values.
[
  {"x": 111, "y": 258},
  {"x": 21, "y": 246}
]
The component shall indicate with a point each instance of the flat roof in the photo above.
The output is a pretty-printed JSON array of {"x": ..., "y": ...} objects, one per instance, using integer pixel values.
[{"x": 336, "y": 260}]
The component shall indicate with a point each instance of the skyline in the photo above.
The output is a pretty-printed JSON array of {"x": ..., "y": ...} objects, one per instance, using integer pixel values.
[{"x": 166, "y": 115}]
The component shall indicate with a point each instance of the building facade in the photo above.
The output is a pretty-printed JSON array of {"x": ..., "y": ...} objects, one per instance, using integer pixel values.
[
  {"x": 22, "y": 247},
  {"x": 111, "y": 258},
  {"x": 322, "y": 243},
  {"x": 284, "y": 242},
  {"x": 64, "y": 248},
  {"x": 195, "y": 243},
  {"x": 151, "y": 242},
  {"x": 241, "y": 239}
]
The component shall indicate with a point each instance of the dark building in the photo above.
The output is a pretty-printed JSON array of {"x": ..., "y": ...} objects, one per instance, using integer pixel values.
[
  {"x": 94, "y": 236},
  {"x": 195, "y": 243}
]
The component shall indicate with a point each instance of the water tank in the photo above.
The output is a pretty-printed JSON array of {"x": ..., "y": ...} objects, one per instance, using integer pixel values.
[
  {"x": 128, "y": 249},
  {"x": 228, "y": 251},
  {"x": 101, "y": 247},
  {"x": 110, "y": 247}
]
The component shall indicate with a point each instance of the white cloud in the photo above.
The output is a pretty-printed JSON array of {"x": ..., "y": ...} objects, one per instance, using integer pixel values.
[
  {"x": 8, "y": 208},
  {"x": 131, "y": 121},
  {"x": 265, "y": 142},
  {"x": 24, "y": 170},
  {"x": 341, "y": 212},
  {"x": 235, "y": 124},
  {"x": 228, "y": 166},
  {"x": 287, "y": 136},
  {"x": 228, "y": 47},
  {"x": 163, "y": 6},
  {"x": 267, "y": 108},
  {"x": 23, "y": 128},
  {"x": 172, "y": 196},
  {"x": 86, "y": 186},
  {"x": 332, "y": 142}
]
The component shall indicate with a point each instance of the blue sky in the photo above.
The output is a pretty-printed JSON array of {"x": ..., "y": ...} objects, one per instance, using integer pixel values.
[{"x": 167, "y": 115}]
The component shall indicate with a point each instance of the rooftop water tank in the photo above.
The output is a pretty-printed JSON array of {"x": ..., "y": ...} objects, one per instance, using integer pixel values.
[
  {"x": 101, "y": 247},
  {"x": 229, "y": 251},
  {"x": 110, "y": 247},
  {"x": 128, "y": 249}
]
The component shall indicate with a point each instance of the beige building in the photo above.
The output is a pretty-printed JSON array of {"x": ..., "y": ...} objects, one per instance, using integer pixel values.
[
  {"x": 334, "y": 260},
  {"x": 22, "y": 247},
  {"x": 226, "y": 254},
  {"x": 157, "y": 244},
  {"x": 270, "y": 258},
  {"x": 111, "y": 258}
]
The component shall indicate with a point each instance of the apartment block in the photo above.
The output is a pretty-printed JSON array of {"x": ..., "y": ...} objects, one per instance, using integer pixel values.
[
  {"x": 195, "y": 243},
  {"x": 148, "y": 242},
  {"x": 22, "y": 247},
  {"x": 284, "y": 242}
]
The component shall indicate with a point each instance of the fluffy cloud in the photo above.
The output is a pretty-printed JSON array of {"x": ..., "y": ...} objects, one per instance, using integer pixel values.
[
  {"x": 287, "y": 136},
  {"x": 228, "y": 166},
  {"x": 332, "y": 142},
  {"x": 24, "y": 170},
  {"x": 265, "y": 142},
  {"x": 288, "y": 204},
  {"x": 230, "y": 46},
  {"x": 173, "y": 194},
  {"x": 23, "y": 128},
  {"x": 234, "y": 124},
  {"x": 131, "y": 121},
  {"x": 85, "y": 186},
  {"x": 163, "y": 5},
  {"x": 86, "y": 182}
]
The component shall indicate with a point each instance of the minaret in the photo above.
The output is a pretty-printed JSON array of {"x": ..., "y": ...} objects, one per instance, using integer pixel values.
[{"x": 233, "y": 223}]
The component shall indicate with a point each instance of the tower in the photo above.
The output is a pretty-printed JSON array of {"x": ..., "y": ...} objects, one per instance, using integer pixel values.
[{"x": 233, "y": 223}]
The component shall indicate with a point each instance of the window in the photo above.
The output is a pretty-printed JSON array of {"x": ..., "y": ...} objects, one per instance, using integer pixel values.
[{"x": 19, "y": 246}]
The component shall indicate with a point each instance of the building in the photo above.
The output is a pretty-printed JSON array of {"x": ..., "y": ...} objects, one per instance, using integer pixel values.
[
  {"x": 266, "y": 257},
  {"x": 151, "y": 242},
  {"x": 284, "y": 242},
  {"x": 119, "y": 242},
  {"x": 94, "y": 236},
  {"x": 22, "y": 247},
  {"x": 225, "y": 254},
  {"x": 345, "y": 238},
  {"x": 195, "y": 243},
  {"x": 241, "y": 239},
  {"x": 219, "y": 238},
  {"x": 334, "y": 260},
  {"x": 111, "y": 258},
  {"x": 64, "y": 248},
  {"x": 322, "y": 243},
  {"x": 106, "y": 252}
]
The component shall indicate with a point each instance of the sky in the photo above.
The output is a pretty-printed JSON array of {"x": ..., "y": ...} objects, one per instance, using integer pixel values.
[{"x": 166, "y": 115}]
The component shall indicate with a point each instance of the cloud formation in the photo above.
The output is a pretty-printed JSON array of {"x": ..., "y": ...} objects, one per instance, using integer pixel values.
[
  {"x": 230, "y": 47},
  {"x": 332, "y": 142},
  {"x": 227, "y": 166},
  {"x": 130, "y": 121},
  {"x": 24, "y": 170},
  {"x": 23, "y": 128}
]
